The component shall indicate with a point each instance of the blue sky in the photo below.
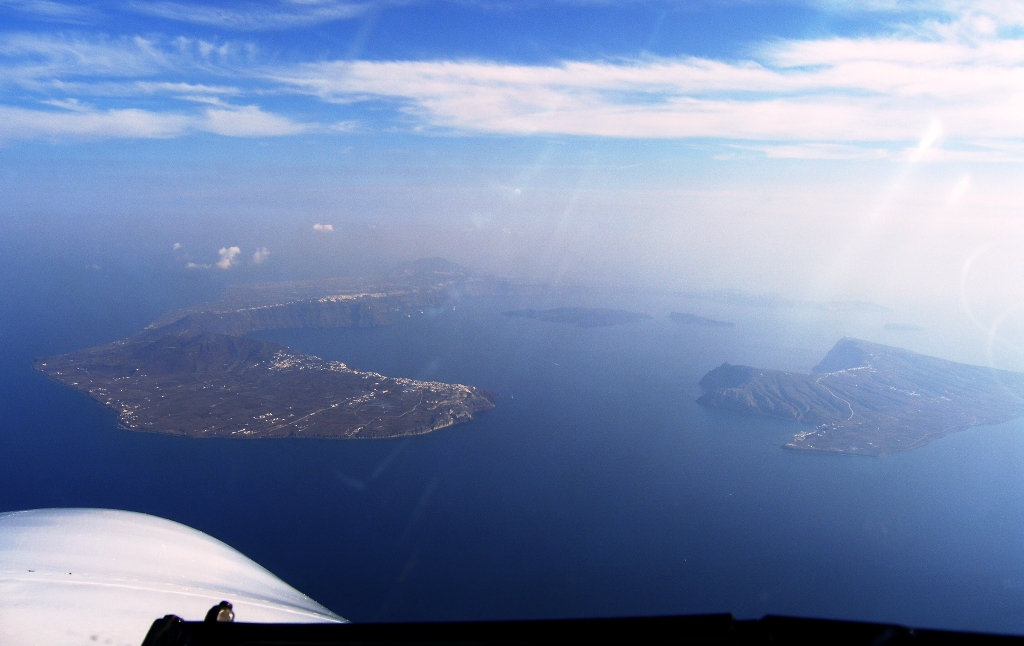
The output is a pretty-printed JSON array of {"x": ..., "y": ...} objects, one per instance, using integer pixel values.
[
  {"x": 794, "y": 80},
  {"x": 863, "y": 149}
]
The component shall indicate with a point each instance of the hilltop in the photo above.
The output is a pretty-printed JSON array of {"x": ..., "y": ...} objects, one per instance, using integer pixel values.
[{"x": 870, "y": 399}]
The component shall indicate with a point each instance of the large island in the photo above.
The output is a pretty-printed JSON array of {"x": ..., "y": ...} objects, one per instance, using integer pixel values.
[
  {"x": 870, "y": 399},
  {"x": 194, "y": 373}
]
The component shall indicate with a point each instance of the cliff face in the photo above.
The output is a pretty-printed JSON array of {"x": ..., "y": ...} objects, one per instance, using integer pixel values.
[
  {"x": 771, "y": 392},
  {"x": 870, "y": 399},
  {"x": 236, "y": 317},
  {"x": 303, "y": 314}
]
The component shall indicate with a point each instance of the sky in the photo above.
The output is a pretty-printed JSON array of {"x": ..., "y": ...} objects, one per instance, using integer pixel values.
[{"x": 818, "y": 149}]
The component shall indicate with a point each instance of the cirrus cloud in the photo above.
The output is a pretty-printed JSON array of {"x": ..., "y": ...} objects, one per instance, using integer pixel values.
[
  {"x": 832, "y": 91},
  {"x": 261, "y": 16},
  {"x": 90, "y": 123},
  {"x": 20, "y": 123}
]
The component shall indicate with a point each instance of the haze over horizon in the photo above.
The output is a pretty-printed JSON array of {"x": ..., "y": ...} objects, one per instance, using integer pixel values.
[{"x": 814, "y": 149}]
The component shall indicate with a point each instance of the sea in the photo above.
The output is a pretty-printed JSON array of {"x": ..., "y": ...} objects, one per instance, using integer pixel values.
[{"x": 597, "y": 487}]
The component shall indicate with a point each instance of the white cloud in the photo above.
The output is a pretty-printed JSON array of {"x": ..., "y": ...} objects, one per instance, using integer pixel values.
[
  {"x": 67, "y": 104},
  {"x": 50, "y": 10},
  {"x": 260, "y": 256},
  {"x": 65, "y": 68},
  {"x": 344, "y": 126},
  {"x": 194, "y": 265},
  {"x": 176, "y": 246},
  {"x": 126, "y": 67},
  {"x": 35, "y": 56},
  {"x": 817, "y": 151},
  {"x": 121, "y": 66},
  {"x": 249, "y": 121},
  {"x": 180, "y": 88},
  {"x": 847, "y": 101},
  {"x": 88, "y": 123},
  {"x": 206, "y": 99},
  {"x": 125, "y": 89},
  {"x": 841, "y": 98},
  {"x": 837, "y": 91},
  {"x": 228, "y": 257},
  {"x": 254, "y": 16},
  {"x": 323, "y": 228},
  {"x": 19, "y": 123}
]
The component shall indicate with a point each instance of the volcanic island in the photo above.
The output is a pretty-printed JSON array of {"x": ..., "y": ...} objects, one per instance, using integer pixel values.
[
  {"x": 193, "y": 372},
  {"x": 870, "y": 399}
]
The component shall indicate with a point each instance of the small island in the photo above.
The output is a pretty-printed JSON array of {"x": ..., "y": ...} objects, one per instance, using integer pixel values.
[
  {"x": 693, "y": 319},
  {"x": 194, "y": 372},
  {"x": 870, "y": 399},
  {"x": 582, "y": 316}
]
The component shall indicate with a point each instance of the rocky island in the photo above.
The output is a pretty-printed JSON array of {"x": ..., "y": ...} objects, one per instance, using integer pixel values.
[
  {"x": 870, "y": 399},
  {"x": 582, "y": 316},
  {"x": 194, "y": 373}
]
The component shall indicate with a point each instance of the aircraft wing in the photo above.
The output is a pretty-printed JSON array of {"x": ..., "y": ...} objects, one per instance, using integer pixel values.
[{"x": 97, "y": 576}]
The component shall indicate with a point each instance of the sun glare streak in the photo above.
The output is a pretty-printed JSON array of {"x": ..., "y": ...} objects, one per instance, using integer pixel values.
[
  {"x": 964, "y": 300},
  {"x": 960, "y": 189},
  {"x": 846, "y": 259},
  {"x": 992, "y": 335},
  {"x": 1005, "y": 312},
  {"x": 567, "y": 227},
  {"x": 932, "y": 136}
]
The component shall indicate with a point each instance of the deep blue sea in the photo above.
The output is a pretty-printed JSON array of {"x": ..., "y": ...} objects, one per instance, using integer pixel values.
[{"x": 597, "y": 487}]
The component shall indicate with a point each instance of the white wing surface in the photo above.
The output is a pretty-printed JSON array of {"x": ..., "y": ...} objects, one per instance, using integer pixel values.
[{"x": 97, "y": 576}]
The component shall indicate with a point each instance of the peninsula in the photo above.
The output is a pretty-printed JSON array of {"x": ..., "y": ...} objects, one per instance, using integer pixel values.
[
  {"x": 582, "y": 316},
  {"x": 870, "y": 399},
  {"x": 194, "y": 373}
]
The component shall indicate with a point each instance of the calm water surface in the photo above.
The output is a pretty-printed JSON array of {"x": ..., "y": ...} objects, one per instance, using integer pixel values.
[{"x": 596, "y": 487}]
